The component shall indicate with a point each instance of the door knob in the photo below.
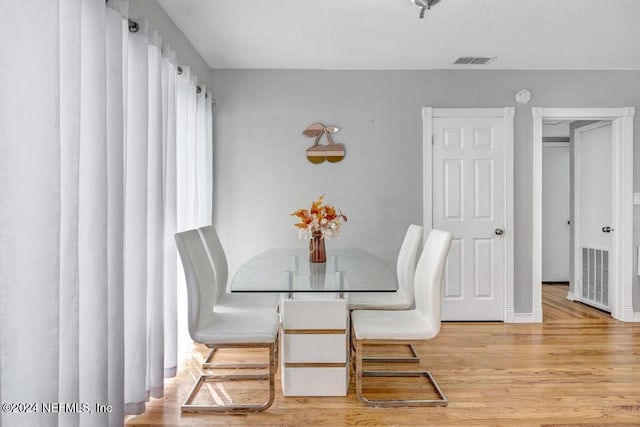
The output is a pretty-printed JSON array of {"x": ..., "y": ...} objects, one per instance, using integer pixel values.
[
  {"x": 499, "y": 231},
  {"x": 607, "y": 229}
]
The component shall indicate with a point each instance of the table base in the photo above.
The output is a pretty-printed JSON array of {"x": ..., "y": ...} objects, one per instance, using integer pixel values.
[{"x": 315, "y": 345}]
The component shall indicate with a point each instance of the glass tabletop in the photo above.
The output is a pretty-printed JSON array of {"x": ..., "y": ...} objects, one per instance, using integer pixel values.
[{"x": 289, "y": 270}]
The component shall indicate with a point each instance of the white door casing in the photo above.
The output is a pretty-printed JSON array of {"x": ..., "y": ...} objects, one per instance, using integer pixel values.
[
  {"x": 592, "y": 212},
  {"x": 468, "y": 183},
  {"x": 556, "y": 192},
  {"x": 621, "y": 271}
]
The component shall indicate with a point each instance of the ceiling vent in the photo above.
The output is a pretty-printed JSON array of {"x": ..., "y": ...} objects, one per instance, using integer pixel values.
[{"x": 473, "y": 60}]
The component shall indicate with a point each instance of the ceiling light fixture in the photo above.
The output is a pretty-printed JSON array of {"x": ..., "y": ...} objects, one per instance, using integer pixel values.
[{"x": 424, "y": 5}]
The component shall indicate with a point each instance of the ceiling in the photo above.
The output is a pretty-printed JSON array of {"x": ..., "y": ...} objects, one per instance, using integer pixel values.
[{"x": 387, "y": 34}]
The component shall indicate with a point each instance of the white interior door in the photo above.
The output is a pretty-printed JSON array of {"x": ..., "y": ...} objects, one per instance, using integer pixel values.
[
  {"x": 469, "y": 201},
  {"x": 556, "y": 195},
  {"x": 593, "y": 192}
]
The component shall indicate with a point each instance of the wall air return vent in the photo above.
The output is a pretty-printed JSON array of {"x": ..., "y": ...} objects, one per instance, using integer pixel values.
[{"x": 473, "y": 60}]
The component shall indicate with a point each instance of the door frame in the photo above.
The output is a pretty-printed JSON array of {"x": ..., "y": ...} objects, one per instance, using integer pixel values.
[
  {"x": 621, "y": 293},
  {"x": 506, "y": 113}
]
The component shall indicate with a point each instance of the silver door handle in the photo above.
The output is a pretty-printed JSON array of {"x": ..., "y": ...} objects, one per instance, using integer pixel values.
[
  {"x": 499, "y": 231},
  {"x": 607, "y": 229}
]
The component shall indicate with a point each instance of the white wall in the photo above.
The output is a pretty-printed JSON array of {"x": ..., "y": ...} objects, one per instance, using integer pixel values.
[
  {"x": 261, "y": 173},
  {"x": 556, "y": 202},
  {"x": 556, "y": 199},
  {"x": 555, "y": 128}
]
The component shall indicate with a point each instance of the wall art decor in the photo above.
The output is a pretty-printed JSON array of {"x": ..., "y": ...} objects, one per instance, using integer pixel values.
[{"x": 318, "y": 153}]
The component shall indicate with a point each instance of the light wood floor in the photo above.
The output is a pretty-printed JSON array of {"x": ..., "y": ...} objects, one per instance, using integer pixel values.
[{"x": 580, "y": 367}]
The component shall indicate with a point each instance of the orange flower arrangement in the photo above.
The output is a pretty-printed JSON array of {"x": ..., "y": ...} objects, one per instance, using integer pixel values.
[{"x": 320, "y": 218}]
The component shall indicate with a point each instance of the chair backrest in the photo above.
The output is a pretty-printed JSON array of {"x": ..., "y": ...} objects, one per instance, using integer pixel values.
[
  {"x": 406, "y": 265},
  {"x": 428, "y": 277},
  {"x": 199, "y": 277},
  {"x": 217, "y": 257}
]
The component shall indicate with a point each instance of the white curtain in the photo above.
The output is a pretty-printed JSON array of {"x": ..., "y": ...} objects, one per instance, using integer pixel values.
[
  {"x": 169, "y": 75},
  {"x": 96, "y": 154},
  {"x": 194, "y": 160},
  {"x": 194, "y": 180},
  {"x": 204, "y": 155}
]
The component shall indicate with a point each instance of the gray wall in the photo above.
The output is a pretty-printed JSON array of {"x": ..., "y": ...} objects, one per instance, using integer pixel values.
[
  {"x": 261, "y": 173},
  {"x": 171, "y": 34}
]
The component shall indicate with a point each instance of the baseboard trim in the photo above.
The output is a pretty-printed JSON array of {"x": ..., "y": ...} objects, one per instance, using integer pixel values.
[
  {"x": 537, "y": 315},
  {"x": 512, "y": 317},
  {"x": 629, "y": 314},
  {"x": 636, "y": 317},
  {"x": 509, "y": 315},
  {"x": 571, "y": 296},
  {"x": 523, "y": 318}
]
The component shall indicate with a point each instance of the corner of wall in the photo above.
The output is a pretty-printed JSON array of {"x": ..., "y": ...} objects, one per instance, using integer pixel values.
[{"x": 159, "y": 20}]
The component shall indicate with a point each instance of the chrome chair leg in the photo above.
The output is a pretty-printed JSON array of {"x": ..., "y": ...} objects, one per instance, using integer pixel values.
[
  {"x": 189, "y": 406},
  {"x": 360, "y": 373},
  {"x": 209, "y": 364},
  {"x": 414, "y": 358}
]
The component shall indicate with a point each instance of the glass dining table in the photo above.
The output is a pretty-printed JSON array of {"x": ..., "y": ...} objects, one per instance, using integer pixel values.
[
  {"x": 288, "y": 270},
  {"x": 314, "y": 311}
]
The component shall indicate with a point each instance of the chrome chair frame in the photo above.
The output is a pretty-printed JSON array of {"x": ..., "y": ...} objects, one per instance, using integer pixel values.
[
  {"x": 414, "y": 358},
  {"x": 189, "y": 406},
  {"x": 360, "y": 373},
  {"x": 208, "y": 362}
]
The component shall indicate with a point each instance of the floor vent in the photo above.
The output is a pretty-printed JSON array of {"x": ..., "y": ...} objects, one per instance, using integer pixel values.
[
  {"x": 595, "y": 277},
  {"x": 473, "y": 60}
]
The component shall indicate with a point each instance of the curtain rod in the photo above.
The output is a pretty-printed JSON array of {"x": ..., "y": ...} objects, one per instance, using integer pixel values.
[
  {"x": 134, "y": 28},
  {"x": 198, "y": 88}
]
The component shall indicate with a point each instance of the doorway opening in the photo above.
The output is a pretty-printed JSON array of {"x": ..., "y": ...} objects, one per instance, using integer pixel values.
[
  {"x": 576, "y": 215},
  {"x": 619, "y": 258}
]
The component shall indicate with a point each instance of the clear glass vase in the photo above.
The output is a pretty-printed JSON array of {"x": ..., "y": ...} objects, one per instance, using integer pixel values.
[{"x": 317, "y": 252}]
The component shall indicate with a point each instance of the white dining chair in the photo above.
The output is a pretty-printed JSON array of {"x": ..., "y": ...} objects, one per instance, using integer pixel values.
[
  {"x": 400, "y": 300},
  {"x": 225, "y": 302},
  {"x": 387, "y": 327},
  {"x": 257, "y": 329}
]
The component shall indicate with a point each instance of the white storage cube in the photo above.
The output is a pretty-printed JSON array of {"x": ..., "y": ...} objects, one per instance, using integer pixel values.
[
  {"x": 315, "y": 351},
  {"x": 315, "y": 348},
  {"x": 315, "y": 381},
  {"x": 299, "y": 313}
]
